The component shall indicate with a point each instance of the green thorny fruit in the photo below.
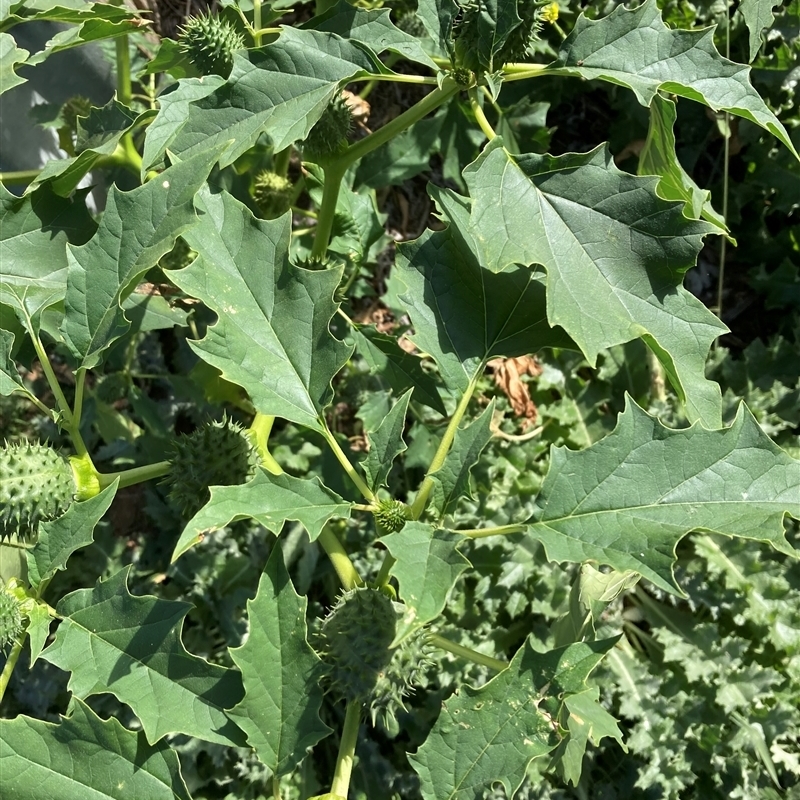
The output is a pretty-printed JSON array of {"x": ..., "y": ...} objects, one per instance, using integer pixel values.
[
  {"x": 209, "y": 43},
  {"x": 272, "y": 193},
  {"x": 329, "y": 134},
  {"x": 470, "y": 34},
  {"x": 359, "y": 662},
  {"x": 37, "y": 484},
  {"x": 391, "y": 515},
  {"x": 217, "y": 454},
  {"x": 11, "y": 618}
]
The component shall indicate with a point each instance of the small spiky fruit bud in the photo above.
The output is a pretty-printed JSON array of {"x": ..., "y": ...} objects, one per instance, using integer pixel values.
[
  {"x": 11, "y": 623},
  {"x": 329, "y": 134},
  {"x": 272, "y": 193},
  {"x": 37, "y": 484},
  {"x": 360, "y": 665},
  {"x": 209, "y": 43},
  {"x": 218, "y": 454},
  {"x": 391, "y": 515}
]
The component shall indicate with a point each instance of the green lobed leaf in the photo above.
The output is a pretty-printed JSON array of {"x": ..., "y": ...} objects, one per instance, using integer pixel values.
[
  {"x": 152, "y": 312},
  {"x": 84, "y": 756},
  {"x": 34, "y": 231},
  {"x": 758, "y": 16},
  {"x": 280, "y": 709},
  {"x": 270, "y": 499},
  {"x": 401, "y": 370},
  {"x": 11, "y": 57},
  {"x": 635, "y": 49},
  {"x": 658, "y": 157},
  {"x": 371, "y": 28},
  {"x": 272, "y": 336},
  {"x": 452, "y": 479},
  {"x": 464, "y": 314},
  {"x": 59, "y": 539},
  {"x": 427, "y": 567},
  {"x": 629, "y": 499},
  {"x": 112, "y": 641},
  {"x": 614, "y": 253},
  {"x": 281, "y": 89},
  {"x": 490, "y": 735},
  {"x": 385, "y": 444},
  {"x": 137, "y": 228},
  {"x": 98, "y": 136},
  {"x": 437, "y": 17},
  {"x": 10, "y": 380},
  {"x": 38, "y": 630}
]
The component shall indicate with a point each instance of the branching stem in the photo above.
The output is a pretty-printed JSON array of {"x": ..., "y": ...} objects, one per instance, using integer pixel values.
[
  {"x": 130, "y": 477},
  {"x": 335, "y": 551},
  {"x": 8, "y": 669},
  {"x": 480, "y": 116},
  {"x": 347, "y": 750},
  {"x": 342, "y": 458},
  {"x": 466, "y": 652},
  {"x": 501, "y": 530}
]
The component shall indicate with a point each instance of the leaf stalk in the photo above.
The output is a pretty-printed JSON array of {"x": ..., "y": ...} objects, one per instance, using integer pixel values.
[
  {"x": 347, "y": 750},
  {"x": 466, "y": 652}
]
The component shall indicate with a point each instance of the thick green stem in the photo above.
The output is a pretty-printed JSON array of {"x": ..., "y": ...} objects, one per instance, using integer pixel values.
[
  {"x": 466, "y": 652},
  {"x": 130, "y": 477},
  {"x": 8, "y": 669},
  {"x": 257, "y": 22},
  {"x": 521, "y": 72},
  {"x": 501, "y": 530},
  {"x": 261, "y": 428},
  {"x": 21, "y": 176},
  {"x": 335, "y": 168},
  {"x": 347, "y": 750},
  {"x": 480, "y": 116},
  {"x": 342, "y": 458},
  {"x": 335, "y": 551},
  {"x": 421, "y": 500},
  {"x": 383, "y": 574},
  {"x": 280, "y": 161}
]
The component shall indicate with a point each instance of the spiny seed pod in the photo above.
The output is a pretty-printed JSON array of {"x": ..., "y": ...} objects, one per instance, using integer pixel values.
[
  {"x": 37, "y": 484},
  {"x": 354, "y": 642},
  {"x": 11, "y": 623},
  {"x": 391, "y": 515},
  {"x": 272, "y": 193},
  {"x": 329, "y": 134},
  {"x": 218, "y": 454},
  {"x": 209, "y": 43},
  {"x": 77, "y": 106}
]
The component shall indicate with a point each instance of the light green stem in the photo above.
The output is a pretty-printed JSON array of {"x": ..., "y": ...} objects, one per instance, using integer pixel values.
[
  {"x": 130, "y": 477},
  {"x": 262, "y": 427},
  {"x": 280, "y": 161},
  {"x": 335, "y": 551},
  {"x": 466, "y": 652},
  {"x": 347, "y": 750},
  {"x": 335, "y": 168},
  {"x": 521, "y": 72},
  {"x": 20, "y": 176},
  {"x": 257, "y": 22},
  {"x": 480, "y": 116},
  {"x": 501, "y": 530},
  {"x": 421, "y": 500},
  {"x": 342, "y": 458},
  {"x": 383, "y": 574},
  {"x": 8, "y": 669},
  {"x": 123, "y": 70}
]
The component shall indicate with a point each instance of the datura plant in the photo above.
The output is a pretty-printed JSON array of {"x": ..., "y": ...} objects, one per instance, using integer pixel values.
[{"x": 193, "y": 347}]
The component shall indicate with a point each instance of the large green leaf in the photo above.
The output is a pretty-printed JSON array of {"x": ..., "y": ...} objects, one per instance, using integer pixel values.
[
  {"x": 83, "y": 757},
  {"x": 428, "y": 565},
  {"x": 635, "y": 49},
  {"x": 614, "y": 253},
  {"x": 34, "y": 231},
  {"x": 137, "y": 228},
  {"x": 270, "y": 499},
  {"x": 272, "y": 336},
  {"x": 372, "y": 29},
  {"x": 401, "y": 370},
  {"x": 629, "y": 499},
  {"x": 385, "y": 444},
  {"x": 758, "y": 16},
  {"x": 658, "y": 157},
  {"x": 11, "y": 57},
  {"x": 98, "y": 136},
  {"x": 281, "y": 89},
  {"x": 280, "y": 709},
  {"x": 452, "y": 479},
  {"x": 59, "y": 539},
  {"x": 112, "y": 641},
  {"x": 490, "y": 735},
  {"x": 464, "y": 314}
]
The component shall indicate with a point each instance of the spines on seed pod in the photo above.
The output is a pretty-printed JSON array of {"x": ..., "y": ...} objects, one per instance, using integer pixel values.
[
  {"x": 217, "y": 454},
  {"x": 329, "y": 134},
  {"x": 209, "y": 42},
  {"x": 272, "y": 193}
]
